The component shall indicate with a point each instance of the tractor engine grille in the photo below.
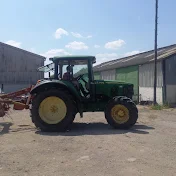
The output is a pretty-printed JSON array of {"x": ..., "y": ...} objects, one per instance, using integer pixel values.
[
  {"x": 114, "y": 91},
  {"x": 128, "y": 91}
]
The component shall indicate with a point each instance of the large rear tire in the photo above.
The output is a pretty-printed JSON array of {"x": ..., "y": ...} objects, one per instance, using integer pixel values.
[
  {"x": 121, "y": 113},
  {"x": 53, "y": 110}
]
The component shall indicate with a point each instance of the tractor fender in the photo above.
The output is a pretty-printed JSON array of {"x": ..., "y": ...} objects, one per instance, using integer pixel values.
[{"x": 47, "y": 84}]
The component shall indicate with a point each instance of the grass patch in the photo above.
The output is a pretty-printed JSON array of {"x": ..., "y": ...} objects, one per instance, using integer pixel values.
[{"x": 160, "y": 107}]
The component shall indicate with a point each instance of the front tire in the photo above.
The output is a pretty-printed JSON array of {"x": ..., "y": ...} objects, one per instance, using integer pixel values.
[
  {"x": 121, "y": 113},
  {"x": 53, "y": 110}
]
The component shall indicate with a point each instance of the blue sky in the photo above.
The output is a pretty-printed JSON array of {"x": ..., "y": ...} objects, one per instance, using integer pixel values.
[{"x": 108, "y": 29}]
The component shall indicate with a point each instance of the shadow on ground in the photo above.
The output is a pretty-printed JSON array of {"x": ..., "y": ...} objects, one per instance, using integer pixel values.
[
  {"x": 23, "y": 128},
  {"x": 79, "y": 129},
  {"x": 5, "y": 127}
]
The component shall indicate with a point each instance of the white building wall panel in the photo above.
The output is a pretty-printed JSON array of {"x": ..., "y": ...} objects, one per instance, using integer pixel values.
[
  {"x": 146, "y": 75},
  {"x": 108, "y": 75},
  {"x": 146, "y": 94},
  {"x": 171, "y": 94}
]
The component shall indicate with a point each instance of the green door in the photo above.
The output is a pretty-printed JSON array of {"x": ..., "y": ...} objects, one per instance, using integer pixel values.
[{"x": 129, "y": 75}]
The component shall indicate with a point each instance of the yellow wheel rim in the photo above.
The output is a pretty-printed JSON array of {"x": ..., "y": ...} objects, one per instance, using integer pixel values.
[
  {"x": 52, "y": 110},
  {"x": 120, "y": 114}
]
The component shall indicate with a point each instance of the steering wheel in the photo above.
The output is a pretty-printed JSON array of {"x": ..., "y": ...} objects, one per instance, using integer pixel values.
[{"x": 80, "y": 77}]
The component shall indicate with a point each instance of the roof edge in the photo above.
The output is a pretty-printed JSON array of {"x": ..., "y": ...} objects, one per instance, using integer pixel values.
[
  {"x": 135, "y": 54},
  {"x": 10, "y": 46},
  {"x": 147, "y": 62}
]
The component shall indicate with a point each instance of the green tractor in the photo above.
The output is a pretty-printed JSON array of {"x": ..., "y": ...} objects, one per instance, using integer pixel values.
[{"x": 58, "y": 99}]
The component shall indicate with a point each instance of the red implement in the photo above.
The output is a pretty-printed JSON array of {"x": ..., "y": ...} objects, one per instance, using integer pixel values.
[{"x": 7, "y": 99}]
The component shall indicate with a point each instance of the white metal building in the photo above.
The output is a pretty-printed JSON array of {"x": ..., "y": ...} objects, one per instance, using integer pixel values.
[{"x": 18, "y": 68}]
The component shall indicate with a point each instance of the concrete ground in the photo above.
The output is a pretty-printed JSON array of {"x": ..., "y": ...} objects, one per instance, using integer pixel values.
[{"x": 91, "y": 148}]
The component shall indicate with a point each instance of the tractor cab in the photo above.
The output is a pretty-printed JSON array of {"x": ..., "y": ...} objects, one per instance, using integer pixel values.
[{"x": 74, "y": 69}]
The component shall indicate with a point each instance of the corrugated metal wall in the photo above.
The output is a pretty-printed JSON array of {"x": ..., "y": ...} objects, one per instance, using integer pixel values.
[
  {"x": 170, "y": 79},
  {"x": 146, "y": 81},
  {"x": 146, "y": 75},
  {"x": 19, "y": 66},
  {"x": 171, "y": 71},
  {"x": 108, "y": 75},
  {"x": 129, "y": 75}
]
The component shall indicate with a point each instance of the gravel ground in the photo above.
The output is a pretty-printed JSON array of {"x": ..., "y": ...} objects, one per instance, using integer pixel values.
[{"x": 91, "y": 148}]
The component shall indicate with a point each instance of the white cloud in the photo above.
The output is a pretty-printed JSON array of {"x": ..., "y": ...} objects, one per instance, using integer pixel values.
[
  {"x": 96, "y": 46},
  {"x": 131, "y": 53},
  {"x": 114, "y": 44},
  {"x": 76, "y": 45},
  {"x": 55, "y": 52},
  {"x": 59, "y": 32},
  {"x": 104, "y": 57},
  {"x": 78, "y": 35},
  {"x": 14, "y": 43}
]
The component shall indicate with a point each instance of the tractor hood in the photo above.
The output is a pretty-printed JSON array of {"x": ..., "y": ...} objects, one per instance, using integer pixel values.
[
  {"x": 111, "y": 82},
  {"x": 114, "y": 88}
]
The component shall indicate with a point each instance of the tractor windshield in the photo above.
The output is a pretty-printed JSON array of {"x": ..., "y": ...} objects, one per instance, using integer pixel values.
[{"x": 76, "y": 68}]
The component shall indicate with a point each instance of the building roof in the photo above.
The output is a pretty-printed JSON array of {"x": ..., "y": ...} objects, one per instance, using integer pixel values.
[
  {"x": 72, "y": 57},
  {"x": 138, "y": 59},
  {"x": 28, "y": 52}
]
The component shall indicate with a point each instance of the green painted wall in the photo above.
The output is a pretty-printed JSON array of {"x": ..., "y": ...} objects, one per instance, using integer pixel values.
[
  {"x": 130, "y": 75},
  {"x": 96, "y": 76}
]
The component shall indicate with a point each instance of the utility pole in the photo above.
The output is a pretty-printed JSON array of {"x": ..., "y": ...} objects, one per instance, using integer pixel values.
[{"x": 155, "y": 63}]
